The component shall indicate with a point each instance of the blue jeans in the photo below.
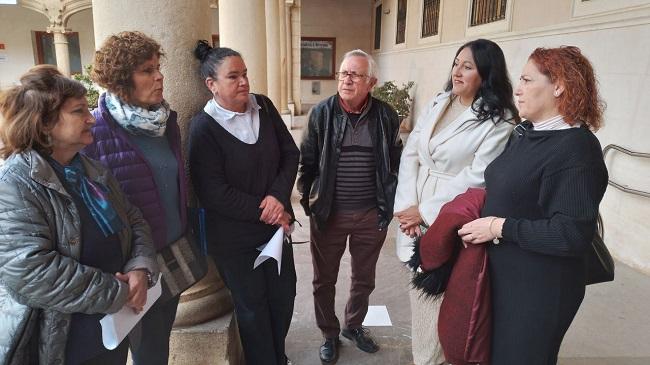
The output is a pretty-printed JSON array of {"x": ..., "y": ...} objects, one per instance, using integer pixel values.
[{"x": 156, "y": 328}]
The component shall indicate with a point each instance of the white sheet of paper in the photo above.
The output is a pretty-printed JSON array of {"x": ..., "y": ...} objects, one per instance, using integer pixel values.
[
  {"x": 116, "y": 326},
  {"x": 272, "y": 249},
  {"x": 377, "y": 316}
]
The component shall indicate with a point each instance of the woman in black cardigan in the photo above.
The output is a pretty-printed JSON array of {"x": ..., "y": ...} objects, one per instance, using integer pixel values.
[
  {"x": 541, "y": 208},
  {"x": 243, "y": 163}
]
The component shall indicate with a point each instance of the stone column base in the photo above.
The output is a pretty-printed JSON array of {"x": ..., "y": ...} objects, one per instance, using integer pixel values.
[
  {"x": 205, "y": 300},
  {"x": 211, "y": 343}
]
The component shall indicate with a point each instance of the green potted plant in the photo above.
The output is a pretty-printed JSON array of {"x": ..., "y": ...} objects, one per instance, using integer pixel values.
[
  {"x": 93, "y": 94},
  {"x": 399, "y": 98}
]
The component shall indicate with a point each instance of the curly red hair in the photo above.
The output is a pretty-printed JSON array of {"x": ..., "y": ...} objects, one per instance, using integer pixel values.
[
  {"x": 580, "y": 101},
  {"x": 117, "y": 59}
]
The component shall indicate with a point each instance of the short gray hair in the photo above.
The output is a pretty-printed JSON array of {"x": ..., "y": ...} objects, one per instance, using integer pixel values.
[{"x": 372, "y": 66}]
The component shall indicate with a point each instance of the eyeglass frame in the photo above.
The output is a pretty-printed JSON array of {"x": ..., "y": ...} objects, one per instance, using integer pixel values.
[{"x": 354, "y": 77}]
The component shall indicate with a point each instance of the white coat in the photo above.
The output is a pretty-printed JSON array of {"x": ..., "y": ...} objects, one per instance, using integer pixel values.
[{"x": 433, "y": 170}]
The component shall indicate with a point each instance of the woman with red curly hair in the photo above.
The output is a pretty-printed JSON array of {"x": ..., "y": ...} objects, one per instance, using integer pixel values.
[
  {"x": 137, "y": 137},
  {"x": 541, "y": 208}
]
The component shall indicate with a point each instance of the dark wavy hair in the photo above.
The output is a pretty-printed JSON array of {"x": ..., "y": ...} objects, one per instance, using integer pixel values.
[
  {"x": 211, "y": 58},
  {"x": 495, "y": 91},
  {"x": 29, "y": 111}
]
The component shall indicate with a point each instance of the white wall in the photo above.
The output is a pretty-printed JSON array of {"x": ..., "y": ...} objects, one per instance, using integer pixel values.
[
  {"x": 16, "y": 26},
  {"x": 348, "y": 21},
  {"x": 617, "y": 45}
]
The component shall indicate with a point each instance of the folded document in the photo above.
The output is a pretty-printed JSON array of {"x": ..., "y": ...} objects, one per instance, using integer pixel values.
[
  {"x": 116, "y": 326},
  {"x": 272, "y": 249}
]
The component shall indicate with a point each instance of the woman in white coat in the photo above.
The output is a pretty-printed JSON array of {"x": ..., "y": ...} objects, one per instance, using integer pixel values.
[{"x": 459, "y": 133}]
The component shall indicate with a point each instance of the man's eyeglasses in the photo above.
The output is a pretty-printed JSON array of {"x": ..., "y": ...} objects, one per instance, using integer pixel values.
[{"x": 353, "y": 75}]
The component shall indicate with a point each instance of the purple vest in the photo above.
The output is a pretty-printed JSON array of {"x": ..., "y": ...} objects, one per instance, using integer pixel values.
[{"x": 113, "y": 148}]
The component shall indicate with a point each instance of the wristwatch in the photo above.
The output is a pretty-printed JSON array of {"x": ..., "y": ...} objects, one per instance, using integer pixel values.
[{"x": 151, "y": 280}]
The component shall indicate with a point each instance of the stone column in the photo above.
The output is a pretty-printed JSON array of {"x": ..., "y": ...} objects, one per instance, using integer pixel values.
[
  {"x": 61, "y": 48},
  {"x": 284, "y": 80},
  {"x": 242, "y": 27},
  {"x": 177, "y": 26},
  {"x": 273, "y": 59},
  {"x": 293, "y": 57},
  {"x": 58, "y": 12}
]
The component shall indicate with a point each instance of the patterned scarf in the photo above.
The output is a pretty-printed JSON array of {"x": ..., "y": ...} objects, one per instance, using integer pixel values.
[
  {"x": 137, "y": 120},
  {"x": 95, "y": 196}
]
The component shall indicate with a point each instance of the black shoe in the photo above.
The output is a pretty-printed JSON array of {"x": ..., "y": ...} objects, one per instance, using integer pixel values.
[
  {"x": 329, "y": 350},
  {"x": 361, "y": 337}
]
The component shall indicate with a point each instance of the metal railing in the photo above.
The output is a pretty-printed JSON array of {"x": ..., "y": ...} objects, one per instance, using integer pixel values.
[{"x": 620, "y": 186}]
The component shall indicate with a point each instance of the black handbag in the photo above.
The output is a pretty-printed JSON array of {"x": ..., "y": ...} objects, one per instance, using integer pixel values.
[
  {"x": 600, "y": 264},
  {"x": 183, "y": 263}
]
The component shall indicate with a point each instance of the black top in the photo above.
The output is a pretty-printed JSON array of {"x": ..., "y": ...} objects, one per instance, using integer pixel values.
[
  {"x": 548, "y": 185},
  {"x": 231, "y": 178},
  {"x": 105, "y": 253}
]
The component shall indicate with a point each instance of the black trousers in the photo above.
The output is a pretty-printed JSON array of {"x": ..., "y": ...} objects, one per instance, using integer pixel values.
[
  {"x": 153, "y": 344},
  {"x": 263, "y": 302},
  {"x": 116, "y": 356}
]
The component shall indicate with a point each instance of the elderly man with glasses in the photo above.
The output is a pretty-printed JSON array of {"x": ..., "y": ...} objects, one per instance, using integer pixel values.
[{"x": 347, "y": 180}]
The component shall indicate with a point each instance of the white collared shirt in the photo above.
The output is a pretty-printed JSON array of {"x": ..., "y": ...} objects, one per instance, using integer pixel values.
[
  {"x": 555, "y": 123},
  {"x": 244, "y": 126}
]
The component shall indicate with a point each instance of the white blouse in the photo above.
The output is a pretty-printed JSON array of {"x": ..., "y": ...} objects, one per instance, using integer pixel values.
[
  {"x": 244, "y": 126},
  {"x": 555, "y": 123}
]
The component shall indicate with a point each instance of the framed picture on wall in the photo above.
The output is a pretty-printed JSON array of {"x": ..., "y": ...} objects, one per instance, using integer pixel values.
[{"x": 317, "y": 58}]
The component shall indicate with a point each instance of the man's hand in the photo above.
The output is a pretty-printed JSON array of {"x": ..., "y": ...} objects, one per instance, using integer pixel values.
[
  {"x": 137, "y": 281},
  {"x": 272, "y": 210}
]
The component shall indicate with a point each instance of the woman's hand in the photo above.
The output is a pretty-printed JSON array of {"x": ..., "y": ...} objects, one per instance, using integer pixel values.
[
  {"x": 138, "y": 285},
  {"x": 285, "y": 221},
  {"x": 409, "y": 218},
  {"x": 413, "y": 231},
  {"x": 481, "y": 230},
  {"x": 272, "y": 210}
]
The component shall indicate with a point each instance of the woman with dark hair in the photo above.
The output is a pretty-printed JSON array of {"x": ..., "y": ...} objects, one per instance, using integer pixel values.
[
  {"x": 67, "y": 232},
  {"x": 455, "y": 138},
  {"x": 541, "y": 208},
  {"x": 138, "y": 138},
  {"x": 243, "y": 163}
]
